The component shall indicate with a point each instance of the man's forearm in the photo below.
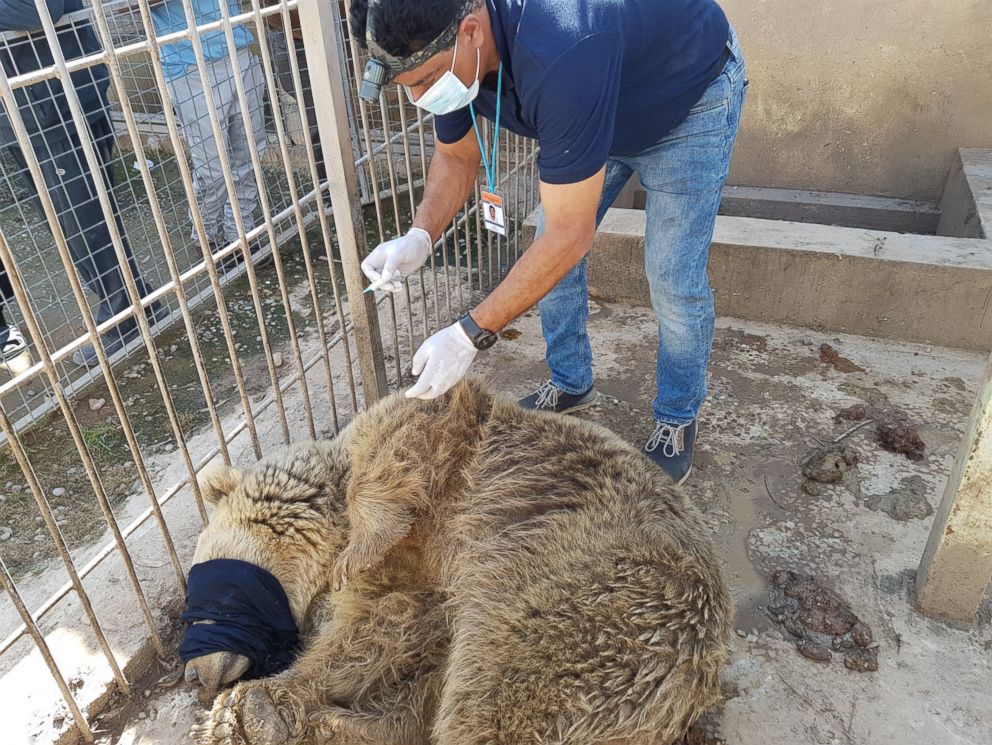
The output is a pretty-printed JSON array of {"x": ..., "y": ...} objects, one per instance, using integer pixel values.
[
  {"x": 570, "y": 227},
  {"x": 534, "y": 275},
  {"x": 450, "y": 180}
]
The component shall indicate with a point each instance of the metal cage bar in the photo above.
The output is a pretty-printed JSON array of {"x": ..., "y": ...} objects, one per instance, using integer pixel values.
[{"x": 371, "y": 156}]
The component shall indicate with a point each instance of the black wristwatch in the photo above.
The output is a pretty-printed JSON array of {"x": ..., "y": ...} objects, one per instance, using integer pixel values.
[{"x": 480, "y": 337}]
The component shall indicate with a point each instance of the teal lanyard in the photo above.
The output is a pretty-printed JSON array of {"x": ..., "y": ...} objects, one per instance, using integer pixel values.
[{"x": 490, "y": 163}]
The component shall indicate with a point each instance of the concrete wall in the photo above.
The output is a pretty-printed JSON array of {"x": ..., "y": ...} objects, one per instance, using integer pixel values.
[
  {"x": 862, "y": 96},
  {"x": 917, "y": 288}
]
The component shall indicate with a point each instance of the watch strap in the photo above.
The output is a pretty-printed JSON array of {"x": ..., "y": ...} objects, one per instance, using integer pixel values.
[{"x": 481, "y": 338}]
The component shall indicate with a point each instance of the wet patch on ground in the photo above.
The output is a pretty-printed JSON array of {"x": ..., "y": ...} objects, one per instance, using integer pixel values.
[{"x": 908, "y": 501}]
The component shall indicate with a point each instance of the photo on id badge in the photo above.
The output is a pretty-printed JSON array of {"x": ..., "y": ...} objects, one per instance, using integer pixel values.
[{"x": 492, "y": 211}]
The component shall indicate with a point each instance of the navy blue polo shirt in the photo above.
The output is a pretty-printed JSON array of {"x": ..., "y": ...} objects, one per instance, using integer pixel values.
[{"x": 593, "y": 78}]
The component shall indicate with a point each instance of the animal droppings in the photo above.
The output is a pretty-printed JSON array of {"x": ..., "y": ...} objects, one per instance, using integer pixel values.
[
  {"x": 827, "y": 465},
  {"x": 820, "y": 621},
  {"x": 830, "y": 356},
  {"x": 894, "y": 430}
]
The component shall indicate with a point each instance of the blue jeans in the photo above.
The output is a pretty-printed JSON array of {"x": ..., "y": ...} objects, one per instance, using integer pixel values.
[{"x": 683, "y": 176}]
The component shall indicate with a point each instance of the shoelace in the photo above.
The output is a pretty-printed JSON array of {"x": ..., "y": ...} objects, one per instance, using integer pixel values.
[
  {"x": 669, "y": 436},
  {"x": 547, "y": 396}
]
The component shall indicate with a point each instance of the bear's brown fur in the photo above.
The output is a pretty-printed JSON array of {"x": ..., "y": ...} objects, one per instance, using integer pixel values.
[{"x": 509, "y": 577}]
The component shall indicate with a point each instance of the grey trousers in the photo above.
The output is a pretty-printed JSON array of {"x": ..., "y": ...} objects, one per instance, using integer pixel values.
[
  {"x": 279, "y": 53},
  {"x": 189, "y": 102}
]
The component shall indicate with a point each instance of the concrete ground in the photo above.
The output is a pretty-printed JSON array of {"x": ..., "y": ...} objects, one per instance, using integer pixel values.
[{"x": 772, "y": 402}]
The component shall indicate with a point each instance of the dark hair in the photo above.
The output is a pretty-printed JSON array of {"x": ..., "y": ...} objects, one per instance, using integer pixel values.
[{"x": 404, "y": 26}]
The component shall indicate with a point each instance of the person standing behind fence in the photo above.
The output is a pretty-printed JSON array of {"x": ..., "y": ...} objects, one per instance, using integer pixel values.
[
  {"x": 56, "y": 143},
  {"x": 14, "y": 354},
  {"x": 279, "y": 53},
  {"x": 189, "y": 101}
]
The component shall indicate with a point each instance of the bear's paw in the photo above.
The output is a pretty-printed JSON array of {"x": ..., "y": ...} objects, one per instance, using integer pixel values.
[{"x": 249, "y": 715}]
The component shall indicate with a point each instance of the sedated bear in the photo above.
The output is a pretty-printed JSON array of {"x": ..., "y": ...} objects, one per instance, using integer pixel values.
[{"x": 464, "y": 571}]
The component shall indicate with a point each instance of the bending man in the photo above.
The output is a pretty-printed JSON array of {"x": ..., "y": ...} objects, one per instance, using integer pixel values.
[{"x": 608, "y": 88}]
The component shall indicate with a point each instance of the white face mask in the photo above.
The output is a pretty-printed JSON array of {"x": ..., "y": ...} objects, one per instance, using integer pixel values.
[{"x": 448, "y": 93}]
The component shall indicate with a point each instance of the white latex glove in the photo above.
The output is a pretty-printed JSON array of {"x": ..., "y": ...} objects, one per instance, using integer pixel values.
[
  {"x": 441, "y": 362},
  {"x": 393, "y": 260}
]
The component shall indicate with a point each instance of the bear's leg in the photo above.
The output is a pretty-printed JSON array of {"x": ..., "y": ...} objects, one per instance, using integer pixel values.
[
  {"x": 260, "y": 714},
  {"x": 372, "y": 672},
  {"x": 246, "y": 715},
  {"x": 377, "y": 525},
  {"x": 404, "y": 719}
]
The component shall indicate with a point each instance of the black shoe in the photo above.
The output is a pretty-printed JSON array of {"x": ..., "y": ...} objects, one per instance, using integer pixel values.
[
  {"x": 118, "y": 338},
  {"x": 671, "y": 447},
  {"x": 551, "y": 398}
]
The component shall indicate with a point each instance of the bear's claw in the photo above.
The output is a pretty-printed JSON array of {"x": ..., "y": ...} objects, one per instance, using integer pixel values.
[
  {"x": 350, "y": 562},
  {"x": 248, "y": 715}
]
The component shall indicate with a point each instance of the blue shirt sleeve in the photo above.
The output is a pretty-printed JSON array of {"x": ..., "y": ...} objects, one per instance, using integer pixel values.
[
  {"x": 22, "y": 15},
  {"x": 450, "y": 128},
  {"x": 575, "y": 108}
]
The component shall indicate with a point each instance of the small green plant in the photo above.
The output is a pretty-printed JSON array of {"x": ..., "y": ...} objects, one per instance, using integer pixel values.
[
  {"x": 9, "y": 468},
  {"x": 8, "y": 464},
  {"x": 102, "y": 438},
  {"x": 188, "y": 421}
]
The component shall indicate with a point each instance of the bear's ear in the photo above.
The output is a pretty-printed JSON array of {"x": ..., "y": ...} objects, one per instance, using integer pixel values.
[{"x": 218, "y": 480}]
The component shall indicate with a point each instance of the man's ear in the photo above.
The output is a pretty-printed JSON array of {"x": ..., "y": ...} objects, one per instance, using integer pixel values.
[
  {"x": 471, "y": 26},
  {"x": 217, "y": 480}
]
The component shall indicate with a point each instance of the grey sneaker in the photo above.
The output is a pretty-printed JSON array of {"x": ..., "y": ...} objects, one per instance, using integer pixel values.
[
  {"x": 671, "y": 447},
  {"x": 551, "y": 398}
]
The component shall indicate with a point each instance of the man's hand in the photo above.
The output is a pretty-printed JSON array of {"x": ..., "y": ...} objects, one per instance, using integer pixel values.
[
  {"x": 441, "y": 362},
  {"x": 394, "y": 260},
  {"x": 450, "y": 179}
]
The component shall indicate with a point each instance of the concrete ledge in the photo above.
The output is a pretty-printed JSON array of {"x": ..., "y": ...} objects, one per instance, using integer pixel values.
[
  {"x": 826, "y": 208},
  {"x": 966, "y": 208},
  {"x": 934, "y": 290}
]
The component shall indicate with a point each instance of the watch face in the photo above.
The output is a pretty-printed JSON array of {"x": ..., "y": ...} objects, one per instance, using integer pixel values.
[{"x": 486, "y": 340}]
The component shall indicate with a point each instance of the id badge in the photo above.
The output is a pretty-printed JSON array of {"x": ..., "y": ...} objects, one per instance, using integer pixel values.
[{"x": 492, "y": 212}]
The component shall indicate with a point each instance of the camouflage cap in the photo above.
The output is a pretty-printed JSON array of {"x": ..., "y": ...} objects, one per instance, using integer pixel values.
[{"x": 399, "y": 65}]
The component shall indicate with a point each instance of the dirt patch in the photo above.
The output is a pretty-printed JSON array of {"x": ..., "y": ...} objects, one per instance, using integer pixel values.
[
  {"x": 908, "y": 501},
  {"x": 161, "y": 707},
  {"x": 894, "y": 430},
  {"x": 509, "y": 334},
  {"x": 24, "y": 539},
  {"x": 902, "y": 438},
  {"x": 735, "y": 338},
  {"x": 952, "y": 407},
  {"x": 827, "y": 465},
  {"x": 955, "y": 383},
  {"x": 871, "y": 395},
  {"x": 820, "y": 621},
  {"x": 830, "y": 356}
]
